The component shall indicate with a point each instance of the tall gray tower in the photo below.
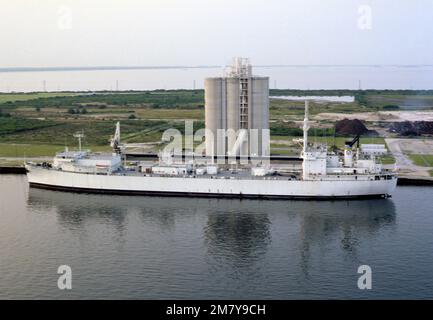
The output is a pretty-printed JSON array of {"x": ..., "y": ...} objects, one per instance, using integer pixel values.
[{"x": 237, "y": 103}]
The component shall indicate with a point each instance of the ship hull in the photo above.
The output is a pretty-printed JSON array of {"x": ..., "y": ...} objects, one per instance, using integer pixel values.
[{"x": 210, "y": 187}]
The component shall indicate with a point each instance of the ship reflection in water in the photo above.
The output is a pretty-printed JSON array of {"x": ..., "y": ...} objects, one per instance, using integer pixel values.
[{"x": 218, "y": 248}]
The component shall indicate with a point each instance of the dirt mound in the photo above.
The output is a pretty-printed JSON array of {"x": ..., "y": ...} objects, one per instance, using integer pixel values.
[
  {"x": 412, "y": 128},
  {"x": 350, "y": 127}
]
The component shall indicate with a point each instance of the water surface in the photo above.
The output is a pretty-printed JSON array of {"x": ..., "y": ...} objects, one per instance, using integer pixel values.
[
  {"x": 282, "y": 77},
  {"x": 317, "y": 98},
  {"x": 154, "y": 248}
]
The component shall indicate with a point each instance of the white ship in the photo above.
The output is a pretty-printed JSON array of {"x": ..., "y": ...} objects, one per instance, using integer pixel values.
[{"x": 324, "y": 175}]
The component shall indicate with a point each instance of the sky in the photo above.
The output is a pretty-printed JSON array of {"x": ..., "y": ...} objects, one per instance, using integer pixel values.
[{"x": 52, "y": 33}]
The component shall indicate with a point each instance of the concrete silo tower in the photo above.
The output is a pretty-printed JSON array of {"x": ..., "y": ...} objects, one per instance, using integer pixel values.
[{"x": 237, "y": 103}]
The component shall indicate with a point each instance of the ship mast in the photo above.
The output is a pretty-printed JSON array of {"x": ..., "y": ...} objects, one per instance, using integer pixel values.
[
  {"x": 115, "y": 141},
  {"x": 306, "y": 127},
  {"x": 79, "y": 136}
]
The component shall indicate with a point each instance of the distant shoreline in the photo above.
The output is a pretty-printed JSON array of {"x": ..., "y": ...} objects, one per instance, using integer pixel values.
[
  {"x": 280, "y": 93},
  {"x": 100, "y": 68},
  {"x": 111, "y": 68}
]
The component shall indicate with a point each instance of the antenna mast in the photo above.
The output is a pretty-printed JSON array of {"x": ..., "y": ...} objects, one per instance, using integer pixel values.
[
  {"x": 306, "y": 126},
  {"x": 79, "y": 136},
  {"x": 115, "y": 141}
]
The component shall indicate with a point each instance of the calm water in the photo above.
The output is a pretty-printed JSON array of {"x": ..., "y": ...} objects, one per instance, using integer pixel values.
[
  {"x": 317, "y": 98},
  {"x": 297, "y": 77},
  {"x": 150, "y": 247}
]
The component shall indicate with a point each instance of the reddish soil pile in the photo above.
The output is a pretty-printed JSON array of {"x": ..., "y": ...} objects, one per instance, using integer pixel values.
[{"x": 350, "y": 127}]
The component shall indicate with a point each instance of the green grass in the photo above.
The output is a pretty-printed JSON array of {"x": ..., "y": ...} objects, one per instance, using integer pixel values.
[
  {"x": 365, "y": 100},
  {"x": 387, "y": 159},
  {"x": 13, "y": 97},
  {"x": 167, "y": 114},
  {"x": 96, "y": 132},
  {"x": 431, "y": 173},
  {"x": 39, "y": 150},
  {"x": 423, "y": 160},
  {"x": 154, "y": 99},
  {"x": 19, "y": 125},
  {"x": 28, "y": 150},
  {"x": 284, "y": 153},
  {"x": 11, "y": 163},
  {"x": 112, "y": 112}
]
